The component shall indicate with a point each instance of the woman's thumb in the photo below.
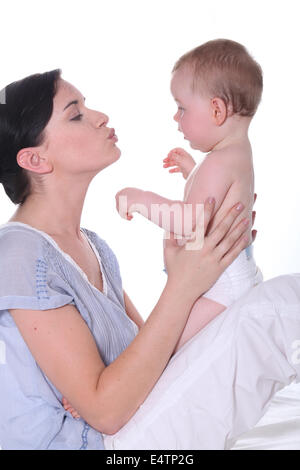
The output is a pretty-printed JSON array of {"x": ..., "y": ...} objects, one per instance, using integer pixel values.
[{"x": 169, "y": 239}]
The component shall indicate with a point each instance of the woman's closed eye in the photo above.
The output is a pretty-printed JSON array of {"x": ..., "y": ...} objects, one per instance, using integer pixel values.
[{"x": 77, "y": 118}]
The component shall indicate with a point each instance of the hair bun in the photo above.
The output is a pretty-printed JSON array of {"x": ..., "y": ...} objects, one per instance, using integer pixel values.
[{"x": 25, "y": 108}]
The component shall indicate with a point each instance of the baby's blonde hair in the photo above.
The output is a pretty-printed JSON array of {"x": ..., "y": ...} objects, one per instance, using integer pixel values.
[{"x": 225, "y": 69}]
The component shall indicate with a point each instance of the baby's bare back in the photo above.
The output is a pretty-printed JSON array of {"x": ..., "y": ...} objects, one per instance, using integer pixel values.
[{"x": 227, "y": 175}]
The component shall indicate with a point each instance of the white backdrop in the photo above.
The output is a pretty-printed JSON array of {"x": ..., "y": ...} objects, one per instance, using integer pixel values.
[{"x": 119, "y": 54}]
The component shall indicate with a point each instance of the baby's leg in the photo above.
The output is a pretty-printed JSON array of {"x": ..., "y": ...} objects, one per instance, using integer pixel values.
[{"x": 204, "y": 310}]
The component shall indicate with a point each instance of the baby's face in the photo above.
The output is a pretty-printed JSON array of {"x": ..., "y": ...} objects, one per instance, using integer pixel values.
[{"x": 195, "y": 113}]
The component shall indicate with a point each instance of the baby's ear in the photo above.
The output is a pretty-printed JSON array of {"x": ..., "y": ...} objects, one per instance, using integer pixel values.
[{"x": 219, "y": 110}]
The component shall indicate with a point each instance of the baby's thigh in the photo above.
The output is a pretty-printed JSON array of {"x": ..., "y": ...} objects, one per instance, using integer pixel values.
[{"x": 204, "y": 310}]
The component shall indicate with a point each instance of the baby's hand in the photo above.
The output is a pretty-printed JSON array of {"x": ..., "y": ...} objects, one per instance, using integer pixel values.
[
  {"x": 128, "y": 198},
  {"x": 182, "y": 160},
  {"x": 68, "y": 407}
]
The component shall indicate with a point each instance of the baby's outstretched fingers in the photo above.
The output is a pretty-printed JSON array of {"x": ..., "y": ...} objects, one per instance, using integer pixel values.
[
  {"x": 171, "y": 162},
  {"x": 175, "y": 153}
]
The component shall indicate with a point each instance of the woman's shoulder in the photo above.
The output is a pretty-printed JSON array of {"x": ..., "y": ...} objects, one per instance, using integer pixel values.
[
  {"x": 21, "y": 250},
  {"x": 29, "y": 275},
  {"x": 17, "y": 238}
]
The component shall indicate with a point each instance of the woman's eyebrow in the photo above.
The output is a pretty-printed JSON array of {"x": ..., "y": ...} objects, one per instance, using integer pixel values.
[{"x": 72, "y": 102}]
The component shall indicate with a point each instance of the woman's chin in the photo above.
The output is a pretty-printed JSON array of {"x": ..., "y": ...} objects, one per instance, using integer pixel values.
[
  {"x": 118, "y": 151},
  {"x": 115, "y": 154},
  {"x": 110, "y": 159}
]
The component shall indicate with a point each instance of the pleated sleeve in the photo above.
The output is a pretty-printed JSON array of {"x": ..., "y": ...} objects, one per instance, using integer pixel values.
[{"x": 27, "y": 279}]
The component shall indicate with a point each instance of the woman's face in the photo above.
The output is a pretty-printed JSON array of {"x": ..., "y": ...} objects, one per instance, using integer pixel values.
[{"x": 77, "y": 137}]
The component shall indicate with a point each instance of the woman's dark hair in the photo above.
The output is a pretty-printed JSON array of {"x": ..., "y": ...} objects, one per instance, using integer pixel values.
[{"x": 25, "y": 109}]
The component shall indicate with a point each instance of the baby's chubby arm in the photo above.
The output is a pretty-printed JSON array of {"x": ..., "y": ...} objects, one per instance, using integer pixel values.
[
  {"x": 213, "y": 178},
  {"x": 154, "y": 207}
]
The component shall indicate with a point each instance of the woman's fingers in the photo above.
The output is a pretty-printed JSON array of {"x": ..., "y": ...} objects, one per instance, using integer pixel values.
[
  {"x": 170, "y": 240},
  {"x": 224, "y": 226},
  {"x": 233, "y": 239},
  {"x": 75, "y": 414},
  {"x": 235, "y": 250},
  {"x": 253, "y": 232},
  {"x": 68, "y": 407},
  {"x": 209, "y": 205}
]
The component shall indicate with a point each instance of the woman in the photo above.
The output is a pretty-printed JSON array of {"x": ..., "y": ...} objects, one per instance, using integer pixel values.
[{"x": 66, "y": 325}]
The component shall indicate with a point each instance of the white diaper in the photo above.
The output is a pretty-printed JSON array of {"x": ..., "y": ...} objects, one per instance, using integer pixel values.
[{"x": 236, "y": 280}]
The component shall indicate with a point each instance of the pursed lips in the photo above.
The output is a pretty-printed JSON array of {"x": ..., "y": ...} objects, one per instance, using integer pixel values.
[{"x": 111, "y": 134}]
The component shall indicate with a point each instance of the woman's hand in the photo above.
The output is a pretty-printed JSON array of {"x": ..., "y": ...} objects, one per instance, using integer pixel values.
[
  {"x": 200, "y": 268},
  {"x": 254, "y": 232},
  {"x": 68, "y": 407}
]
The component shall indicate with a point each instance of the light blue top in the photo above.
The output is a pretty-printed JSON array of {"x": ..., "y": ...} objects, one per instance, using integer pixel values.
[{"x": 36, "y": 274}]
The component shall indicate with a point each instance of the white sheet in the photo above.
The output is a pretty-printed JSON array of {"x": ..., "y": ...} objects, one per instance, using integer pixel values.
[
  {"x": 220, "y": 383},
  {"x": 279, "y": 428}
]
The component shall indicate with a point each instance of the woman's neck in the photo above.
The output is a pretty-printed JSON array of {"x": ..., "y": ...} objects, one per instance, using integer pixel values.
[{"x": 57, "y": 216}]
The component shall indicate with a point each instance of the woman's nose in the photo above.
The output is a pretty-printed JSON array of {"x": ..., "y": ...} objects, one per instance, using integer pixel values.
[
  {"x": 175, "y": 117},
  {"x": 102, "y": 119}
]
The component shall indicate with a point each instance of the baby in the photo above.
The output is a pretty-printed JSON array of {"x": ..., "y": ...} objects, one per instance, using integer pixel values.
[{"x": 217, "y": 87}]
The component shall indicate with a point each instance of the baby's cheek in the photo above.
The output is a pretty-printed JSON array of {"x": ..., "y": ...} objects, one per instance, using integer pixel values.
[{"x": 204, "y": 136}]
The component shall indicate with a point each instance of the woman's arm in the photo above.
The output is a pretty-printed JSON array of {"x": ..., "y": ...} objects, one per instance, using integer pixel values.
[
  {"x": 132, "y": 312},
  {"x": 108, "y": 396}
]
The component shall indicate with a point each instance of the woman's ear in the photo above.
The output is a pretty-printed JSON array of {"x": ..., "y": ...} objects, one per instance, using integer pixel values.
[
  {"x": 219, "y": 110},
  {"x": 29, "y": 159}
]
